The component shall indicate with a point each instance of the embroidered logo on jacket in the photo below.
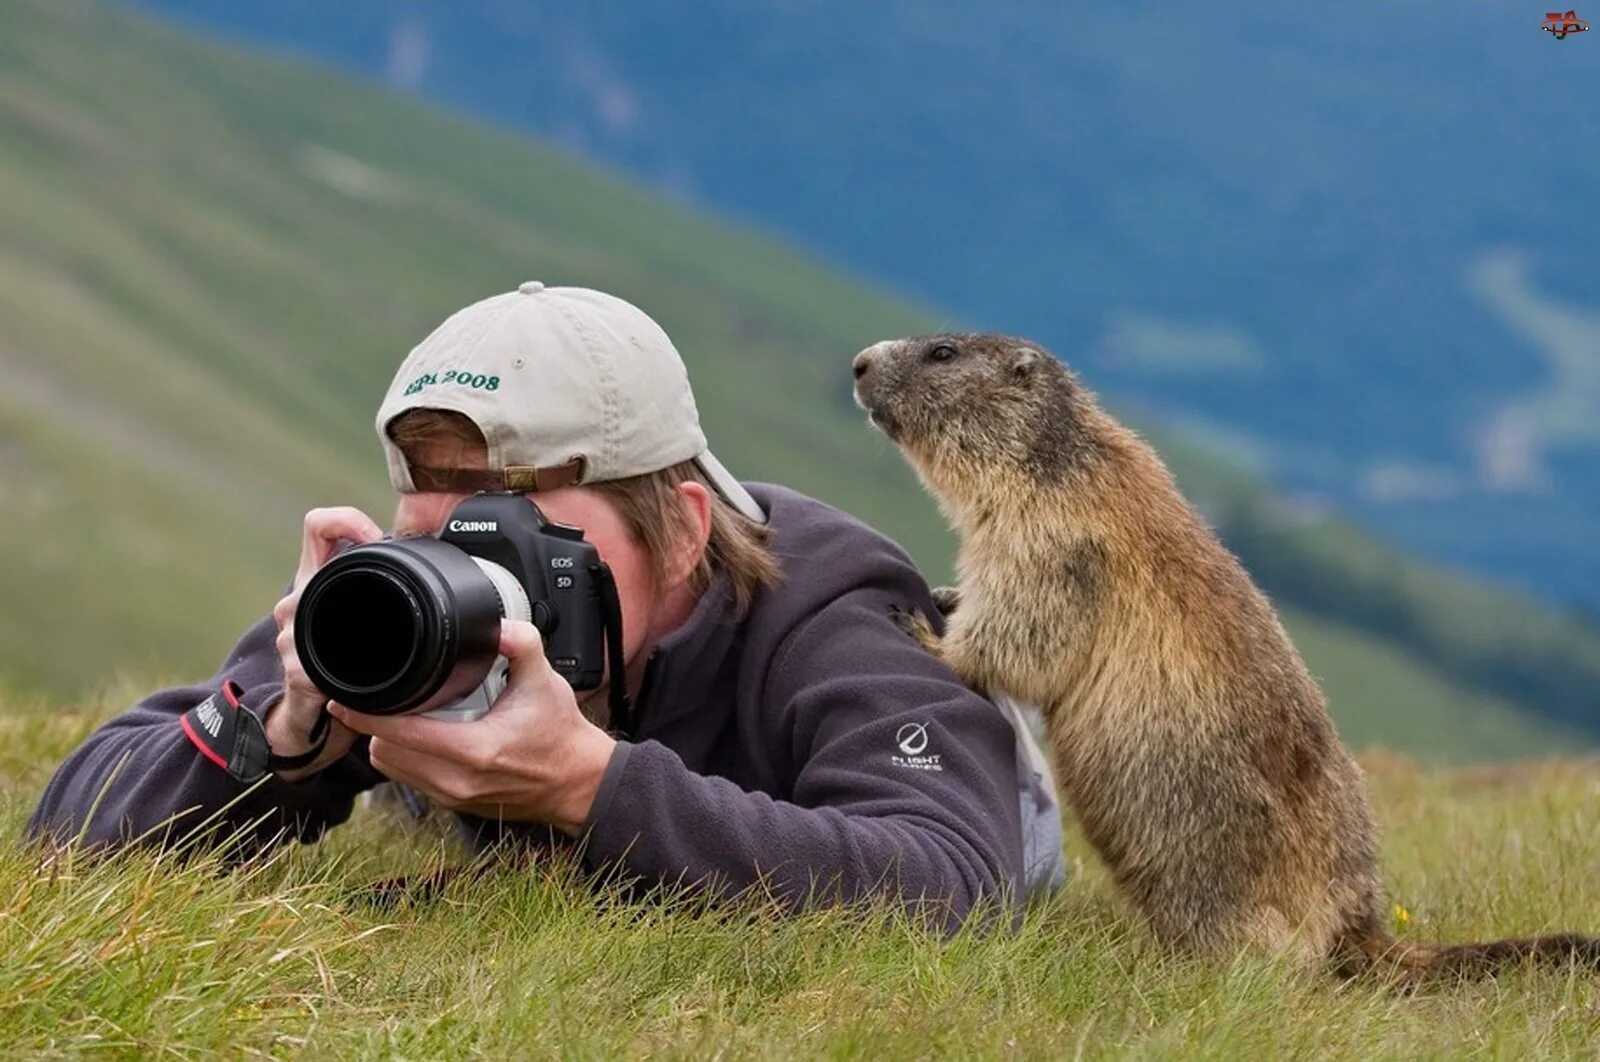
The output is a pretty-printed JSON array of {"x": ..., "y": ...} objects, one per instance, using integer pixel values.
[{"x": 912, "y": 740}]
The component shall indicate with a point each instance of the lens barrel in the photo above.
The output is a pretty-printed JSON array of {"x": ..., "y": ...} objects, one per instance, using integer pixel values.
[{"x": 397, "y": 625}]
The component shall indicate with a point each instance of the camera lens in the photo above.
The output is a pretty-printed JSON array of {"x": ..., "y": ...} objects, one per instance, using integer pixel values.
[
  {"x": 379, "y": 620},
  {"x": 398, "y": 625}
]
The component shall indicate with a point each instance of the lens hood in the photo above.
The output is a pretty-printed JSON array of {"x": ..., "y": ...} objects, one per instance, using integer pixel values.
[{"x": 398, "y": 625}]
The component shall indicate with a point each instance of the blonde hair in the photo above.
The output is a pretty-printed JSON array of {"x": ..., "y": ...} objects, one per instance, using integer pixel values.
[{"x": 649, "y": 504}]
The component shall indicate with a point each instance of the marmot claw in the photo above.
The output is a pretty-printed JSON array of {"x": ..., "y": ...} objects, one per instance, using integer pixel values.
[{"x": 916, "y": 625}]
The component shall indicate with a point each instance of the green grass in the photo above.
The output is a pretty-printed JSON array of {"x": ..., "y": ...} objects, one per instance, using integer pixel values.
[
  {"x": 139, "y": 956},
  {"x": 211, "y": 263}
]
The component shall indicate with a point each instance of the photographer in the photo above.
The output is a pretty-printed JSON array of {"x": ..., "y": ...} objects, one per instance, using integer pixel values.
[{"x": 781, "y": 729}]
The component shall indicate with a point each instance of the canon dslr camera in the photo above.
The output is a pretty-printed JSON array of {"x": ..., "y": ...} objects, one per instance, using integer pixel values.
[{"x": 413, "y": 624}]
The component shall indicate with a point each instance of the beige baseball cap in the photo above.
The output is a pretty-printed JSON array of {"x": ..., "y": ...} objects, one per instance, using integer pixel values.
[{"x": 568, "y": 386}]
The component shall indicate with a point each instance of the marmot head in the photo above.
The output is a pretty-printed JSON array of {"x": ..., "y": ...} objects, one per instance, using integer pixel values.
[{"x": 968, "y": 409}]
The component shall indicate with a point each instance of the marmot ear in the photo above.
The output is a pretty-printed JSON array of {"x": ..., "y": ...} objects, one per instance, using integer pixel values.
[{"x": 1024, "y": 360}]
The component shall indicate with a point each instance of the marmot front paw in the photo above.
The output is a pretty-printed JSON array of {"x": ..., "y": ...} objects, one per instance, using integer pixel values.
[
  {"x": 916, "y": 625},
  {"x": 947, "y": 599}
]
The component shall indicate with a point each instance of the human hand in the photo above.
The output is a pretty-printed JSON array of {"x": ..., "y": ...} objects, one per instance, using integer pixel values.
[
  {"x": 532, "y": 758},
  {"x": 289, "y": 722}
]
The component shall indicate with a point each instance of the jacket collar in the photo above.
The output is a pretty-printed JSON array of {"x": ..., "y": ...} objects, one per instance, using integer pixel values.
[{"x": 691, "y": 669}]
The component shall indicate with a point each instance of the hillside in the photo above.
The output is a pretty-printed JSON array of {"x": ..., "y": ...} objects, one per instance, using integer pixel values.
[
  {"x": 211, "y": 262},
  {"x": 1351, "y": 241}
]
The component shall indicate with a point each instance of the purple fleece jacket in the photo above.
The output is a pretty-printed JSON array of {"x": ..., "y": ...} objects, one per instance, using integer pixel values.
[{"x": 810, "y": 745}]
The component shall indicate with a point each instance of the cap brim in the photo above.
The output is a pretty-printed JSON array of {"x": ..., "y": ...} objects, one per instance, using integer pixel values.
[{"x": 732, "y": 490}]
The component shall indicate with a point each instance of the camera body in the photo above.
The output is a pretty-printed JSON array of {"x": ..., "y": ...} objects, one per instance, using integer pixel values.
[
  {"x": 413, "y": 624},
  {"x": 557, "y": 568}
]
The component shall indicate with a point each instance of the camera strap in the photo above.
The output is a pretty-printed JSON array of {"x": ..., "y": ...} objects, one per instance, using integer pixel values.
[
  {"x": 611, "y": 613},
  {"x": 233, "y": 737}
]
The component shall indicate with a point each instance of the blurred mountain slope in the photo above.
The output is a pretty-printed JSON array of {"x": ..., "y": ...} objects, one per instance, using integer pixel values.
[
  {"x": 210, "y": 264},
  {"x": 1357, "y": 239}
]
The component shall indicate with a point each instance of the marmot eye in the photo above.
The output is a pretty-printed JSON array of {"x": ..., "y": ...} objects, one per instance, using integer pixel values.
[{"x": 942, "y": 352}]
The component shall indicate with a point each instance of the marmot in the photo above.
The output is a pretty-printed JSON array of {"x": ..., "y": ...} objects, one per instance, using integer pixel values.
[{"x": 1191, "y": 742}]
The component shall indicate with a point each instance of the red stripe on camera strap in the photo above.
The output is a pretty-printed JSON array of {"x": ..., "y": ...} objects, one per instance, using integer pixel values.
[
  {"x": 231, "y": 736},
  {"x": 205, "y": 750}
]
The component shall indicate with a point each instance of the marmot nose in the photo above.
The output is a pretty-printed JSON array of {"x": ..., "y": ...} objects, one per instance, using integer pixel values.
[{"x": 862, "y": 363}]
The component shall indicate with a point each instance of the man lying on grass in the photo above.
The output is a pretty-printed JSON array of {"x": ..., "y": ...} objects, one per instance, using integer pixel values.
[{"x": 784, "y": 731}]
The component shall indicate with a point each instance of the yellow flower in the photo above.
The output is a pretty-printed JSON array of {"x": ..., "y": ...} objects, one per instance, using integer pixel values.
[{"x": 1402, "y": 917}]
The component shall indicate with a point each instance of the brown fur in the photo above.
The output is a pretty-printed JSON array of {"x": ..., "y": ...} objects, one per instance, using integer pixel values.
[{"x": 1194, "y": 747}]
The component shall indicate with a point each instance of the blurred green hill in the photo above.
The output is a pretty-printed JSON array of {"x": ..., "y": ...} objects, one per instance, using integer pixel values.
[
  {"x": 1362, "y": 262},
  {"x": 211, "y": 262}
]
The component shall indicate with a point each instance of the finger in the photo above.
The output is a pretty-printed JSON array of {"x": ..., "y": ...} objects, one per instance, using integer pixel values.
[
  {"x": 289, "y": 662},
  {"x": 339, "y": 740},
  {"x": 523, "y": 648},
  {"x": 444, "y": 738},
  {"x": 339, "y": 733},
  {"x": 395, "y": 762},
  {"x": 446, "y": 783},
  {"x": 323, "y": 530},
  {"x": 284, "y": 643}
]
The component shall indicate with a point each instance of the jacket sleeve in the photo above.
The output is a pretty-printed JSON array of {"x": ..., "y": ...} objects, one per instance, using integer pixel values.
[
  {"x": 138, "y": 778},
  {"x": 904, "y": 782}
]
